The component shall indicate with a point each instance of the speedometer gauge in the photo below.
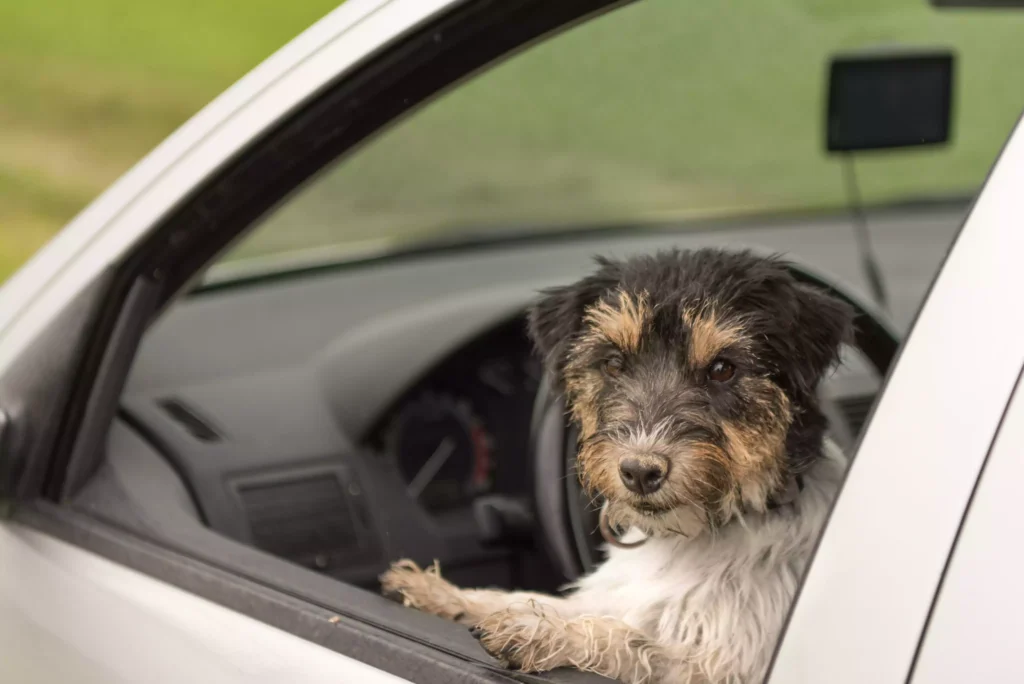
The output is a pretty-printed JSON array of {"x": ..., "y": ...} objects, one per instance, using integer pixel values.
[{"x": 442, "y": 451}]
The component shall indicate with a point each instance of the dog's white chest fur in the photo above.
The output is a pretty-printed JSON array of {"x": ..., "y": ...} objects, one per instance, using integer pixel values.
[
  {"x": 674, "y": 610},
  {"x": 723, "y": 597}
]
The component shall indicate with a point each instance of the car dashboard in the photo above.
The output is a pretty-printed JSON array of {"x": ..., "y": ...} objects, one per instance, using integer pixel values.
[{"x": 420, "y": 482}]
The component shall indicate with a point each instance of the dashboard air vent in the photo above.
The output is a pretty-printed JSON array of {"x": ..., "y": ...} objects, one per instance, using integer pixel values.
[
  {"x": 308, "y": 521},
  {"x": 188, "y": 418}
]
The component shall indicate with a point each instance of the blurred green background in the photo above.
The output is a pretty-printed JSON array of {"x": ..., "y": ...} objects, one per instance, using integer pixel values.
[
  {"x": 87, "y": 87},
  {"x": 668, "y": 108}
]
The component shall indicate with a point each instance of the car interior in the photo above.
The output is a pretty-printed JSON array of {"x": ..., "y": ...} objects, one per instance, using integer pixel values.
[
  {"x": 352, "y": 383},
  {"x": 327, "y": 461}
]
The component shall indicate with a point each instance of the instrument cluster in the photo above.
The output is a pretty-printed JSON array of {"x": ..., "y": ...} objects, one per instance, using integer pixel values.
[{"x": 463, "y": 431}]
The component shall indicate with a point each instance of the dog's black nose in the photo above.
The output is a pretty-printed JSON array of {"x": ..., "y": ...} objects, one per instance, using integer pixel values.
[{"x": 642, "y": 476}]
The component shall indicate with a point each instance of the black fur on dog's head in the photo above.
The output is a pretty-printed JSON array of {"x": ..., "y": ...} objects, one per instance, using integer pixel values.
[{"x": 692, "y": 376}]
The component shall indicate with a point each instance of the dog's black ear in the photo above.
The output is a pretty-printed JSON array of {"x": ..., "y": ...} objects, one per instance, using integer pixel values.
[
  {"x": 555, "y": 319},
  {"x": 823, "y": 324}
]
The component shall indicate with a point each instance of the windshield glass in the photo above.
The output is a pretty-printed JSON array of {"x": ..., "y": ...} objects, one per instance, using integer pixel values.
[{"x": 663, "y": 110}]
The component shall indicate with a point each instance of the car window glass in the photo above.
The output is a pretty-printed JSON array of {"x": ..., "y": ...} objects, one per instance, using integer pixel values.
[{"x": 659, "y": 111}]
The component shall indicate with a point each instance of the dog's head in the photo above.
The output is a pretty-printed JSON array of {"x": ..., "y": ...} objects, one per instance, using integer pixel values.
[{"x": 692, "y": 377}]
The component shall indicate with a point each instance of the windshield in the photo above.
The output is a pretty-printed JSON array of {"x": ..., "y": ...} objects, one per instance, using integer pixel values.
[{"x": 662, "y": 110}]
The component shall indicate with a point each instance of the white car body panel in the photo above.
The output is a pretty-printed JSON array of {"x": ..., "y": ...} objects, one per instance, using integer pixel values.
[
  {"x": 134, "y": 206},
  {"x": 977, "y": 623},
  {"x": 69, "y": 615},
  {"x": 866, "y": 598}
]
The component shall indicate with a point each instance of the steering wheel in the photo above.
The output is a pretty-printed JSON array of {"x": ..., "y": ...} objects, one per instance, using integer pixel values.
[{"x": 568, "y": 521}]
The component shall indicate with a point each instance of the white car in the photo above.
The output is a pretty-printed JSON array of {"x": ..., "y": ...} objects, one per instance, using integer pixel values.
[{"x": 230, "y": 395}]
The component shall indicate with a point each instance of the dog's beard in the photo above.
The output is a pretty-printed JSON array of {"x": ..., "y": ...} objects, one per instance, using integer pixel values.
[
  {"x": 684, "y": 520},
  {"x": 712, "y": 478},
  {"x": 680, "y": 508},
  {"x": 700, "y": 494}
]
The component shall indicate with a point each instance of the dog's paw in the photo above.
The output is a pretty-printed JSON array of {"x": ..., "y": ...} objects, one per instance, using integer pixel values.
[
  {"x": 399, "y": 578},
  {"x": 424, "y": 590},
  {"x": 539, "y": 640},
  {"x": 522, "y": 640}
]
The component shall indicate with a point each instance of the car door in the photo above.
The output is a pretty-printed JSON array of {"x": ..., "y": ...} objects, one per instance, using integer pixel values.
[{"x": 67, "y": 614}]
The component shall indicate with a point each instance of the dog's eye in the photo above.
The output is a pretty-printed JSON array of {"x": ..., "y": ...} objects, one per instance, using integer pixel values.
[
  {"x": 721, "y": 371},
  {"x": 613, "y": 365}
]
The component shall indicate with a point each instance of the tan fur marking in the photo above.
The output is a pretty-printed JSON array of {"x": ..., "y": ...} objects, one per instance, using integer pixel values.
[
  {"x": 622, "y": 325},
  {"x": 583, "y": 388},
  {"x": 709, "y": 335},
  {"x": 758, "y": 451},
  {"x": 597, "y": 467}
]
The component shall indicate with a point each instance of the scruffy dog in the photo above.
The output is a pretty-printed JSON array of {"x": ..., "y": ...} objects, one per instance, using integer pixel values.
[{"x": 692, "y": 377}]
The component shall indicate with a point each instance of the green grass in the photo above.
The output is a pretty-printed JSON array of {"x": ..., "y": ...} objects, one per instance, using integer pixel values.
[
  {"x": 87, "y": 87},
  {"x": 668, "y": 107}
]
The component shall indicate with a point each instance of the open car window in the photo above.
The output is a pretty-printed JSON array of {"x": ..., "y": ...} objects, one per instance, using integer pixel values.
[{"x": 352, "y": 383}]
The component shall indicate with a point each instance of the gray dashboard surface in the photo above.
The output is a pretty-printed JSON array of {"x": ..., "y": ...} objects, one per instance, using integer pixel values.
[{"x": 345, "y": 344}]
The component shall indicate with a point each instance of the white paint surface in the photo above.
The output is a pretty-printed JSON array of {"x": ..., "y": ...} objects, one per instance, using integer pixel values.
[{"x": 67, "y": 615}]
